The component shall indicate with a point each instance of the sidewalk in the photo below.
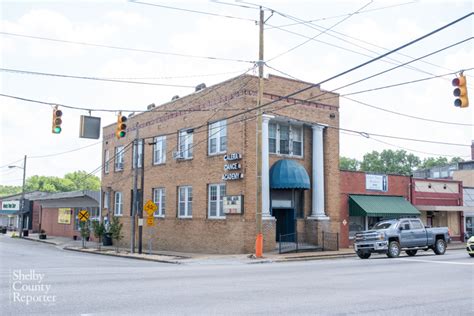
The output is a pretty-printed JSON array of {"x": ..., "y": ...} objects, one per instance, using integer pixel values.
[{"x": 197, "y": 258}]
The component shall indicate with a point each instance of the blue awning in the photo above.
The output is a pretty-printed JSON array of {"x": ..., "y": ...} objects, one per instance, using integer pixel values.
[{"x": 288, "y": 174}]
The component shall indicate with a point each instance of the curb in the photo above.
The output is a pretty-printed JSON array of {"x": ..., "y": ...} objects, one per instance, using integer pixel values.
[
  {"x": 124, "y": 257},
  {"x": 39, "y": 240}
]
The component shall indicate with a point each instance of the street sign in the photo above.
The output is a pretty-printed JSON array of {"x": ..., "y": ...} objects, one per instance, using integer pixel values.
[
  {"x": 150, "y": 221},
  {"x": 83, "y": 215},
  {"x": 150, "y": 207}
]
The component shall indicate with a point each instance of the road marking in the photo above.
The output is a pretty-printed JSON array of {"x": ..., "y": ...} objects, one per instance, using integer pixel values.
[{"x": 441, "y": 262}]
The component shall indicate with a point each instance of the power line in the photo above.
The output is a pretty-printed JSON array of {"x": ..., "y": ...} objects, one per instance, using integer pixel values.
[
  {"x": 65, "y": 152},
  {"x": 91, "y": 78},
  {"x": 177, "y": 77},
  {"x": 11, "y": 163},
  {"x": 407, "y": 115},
  {"x": 346, "y": 14},
  {"x": 125, "y": 48},
  {"x": 193, "y": 11},
  {"x": 320, "y": 33}
]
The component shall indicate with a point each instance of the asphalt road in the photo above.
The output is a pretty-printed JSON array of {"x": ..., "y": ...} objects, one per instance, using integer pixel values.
[{"x": 85, "y": 284}]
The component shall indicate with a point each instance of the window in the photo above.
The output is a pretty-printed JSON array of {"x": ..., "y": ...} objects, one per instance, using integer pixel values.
[
  {"x": 216, "y": 198},
  {"x": 185, "y": 201},
  {"x": 140, "y": 154},
  {"x": 218, "y": 137},
  {"x": 119, "y": 158},
  {"x": 416, "y": 224},
  {"x": 94, "y": 214},
  {"x": 159, "y": 150},
  {"x": 185, "y": 144},
  {"x": 160, "y": 201},
  {"x": 106, "y": 200},
  {"x": 118, "y": 209},
  {"x": 285, "y": 139},
  {"x": 106, "y": 161}
]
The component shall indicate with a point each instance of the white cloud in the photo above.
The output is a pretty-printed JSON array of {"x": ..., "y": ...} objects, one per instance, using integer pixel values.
[{"x": 129, "y": 19}]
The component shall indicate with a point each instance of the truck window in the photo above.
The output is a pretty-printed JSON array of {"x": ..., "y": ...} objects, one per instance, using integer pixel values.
[
  {"x": 405, "y": 225},
  {"x": 415, "y": 224}
]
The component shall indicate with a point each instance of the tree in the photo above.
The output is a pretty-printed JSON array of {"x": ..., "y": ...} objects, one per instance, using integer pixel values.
[
  {"x": 6, "y": 190},
  {"x": 116, "y": 231},
  {"x": 350, "y": 164},
  {"x": 85, "y": 232},
  {"x": 74, "y": 181},
  {"x": 99, "y": 230},
  {"x": 433, "y": 162},
  {"x": 389, "y": 161}
]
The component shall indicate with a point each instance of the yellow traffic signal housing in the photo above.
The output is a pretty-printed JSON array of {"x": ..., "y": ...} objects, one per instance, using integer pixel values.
[
  {"x": 57, "y": 121},
  {"x": 121, "y": 126},
  {"x": 460, "y": 92}
]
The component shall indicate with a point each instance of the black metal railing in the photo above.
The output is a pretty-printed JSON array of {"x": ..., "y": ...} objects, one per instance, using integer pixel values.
[
  {"x": 330, "y": 241},
  {"x": 296, "y": 242}
]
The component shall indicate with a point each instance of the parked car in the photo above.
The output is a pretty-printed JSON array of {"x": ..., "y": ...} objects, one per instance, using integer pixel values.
[
  {"x": 470, "y": 246},
  {"x": 392, "y": 236}
]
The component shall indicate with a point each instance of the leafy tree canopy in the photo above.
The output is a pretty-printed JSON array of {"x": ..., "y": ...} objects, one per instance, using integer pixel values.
[
  {"x": 395, "y": 162},
  {"x": 74, "y": 181}
]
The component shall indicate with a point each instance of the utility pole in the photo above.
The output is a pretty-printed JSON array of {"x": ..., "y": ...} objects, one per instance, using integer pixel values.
[
  {"x": 135, "y": 197},
  {"x": 140, "y": 209},
  {"x": 22, "y": 207},
  {"x": 259, "y": 239}
]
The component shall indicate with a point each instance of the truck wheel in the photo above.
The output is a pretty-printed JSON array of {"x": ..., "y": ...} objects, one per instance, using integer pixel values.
[
  {"x": 411, "y": 253},
  {"x": 439, "y": 247},
  {"x": 472, "y": 255},
  {"x": 393, "y": 249},
  {"x": 363, "y": 255}
]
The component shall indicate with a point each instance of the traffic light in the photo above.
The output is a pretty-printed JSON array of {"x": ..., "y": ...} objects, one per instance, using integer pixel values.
[
  {"x": 57, "y": 121},
  {"x": 460, "y": 92},
  {"x": 121, "y": 126}
]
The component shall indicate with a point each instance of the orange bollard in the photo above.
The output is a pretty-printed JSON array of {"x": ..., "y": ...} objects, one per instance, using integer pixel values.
[{"x": 259, "y": 246}]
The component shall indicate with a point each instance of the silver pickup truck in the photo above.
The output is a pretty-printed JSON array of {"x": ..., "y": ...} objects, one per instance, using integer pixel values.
[{"x": 392, "y": 236}]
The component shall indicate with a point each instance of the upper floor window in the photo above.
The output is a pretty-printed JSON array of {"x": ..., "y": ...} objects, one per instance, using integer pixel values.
[
  {"x": 118, "y": 208},
  {"x": 185, "y": 144},
  {"x": 140, "y": 154},
  {"x": 285, "y": 139},
  {"x": 106, "y": 160},
  {"x": 160, "y": 201},
  {"x": 216, "y": 200},
  {"x": 185, "y": 201},
  {"x": 218, "y": 137},
  {"x": 159, "y": 150},
  {"x": 118, "y": 158}
]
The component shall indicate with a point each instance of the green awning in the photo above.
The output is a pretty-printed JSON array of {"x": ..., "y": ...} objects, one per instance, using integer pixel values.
[
  {"x": 288, "y": 174},
  {"x": 380, "y": 206}
]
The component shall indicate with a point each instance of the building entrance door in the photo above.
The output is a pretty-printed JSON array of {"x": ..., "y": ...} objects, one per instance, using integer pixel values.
[{"x": 285, "y": 224}]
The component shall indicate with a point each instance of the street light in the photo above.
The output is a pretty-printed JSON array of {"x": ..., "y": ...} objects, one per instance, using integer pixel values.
[{"x": 22, "y": 203}]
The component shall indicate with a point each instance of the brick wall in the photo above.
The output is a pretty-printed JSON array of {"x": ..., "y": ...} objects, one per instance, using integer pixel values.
[{"x": 236, "y": 233}]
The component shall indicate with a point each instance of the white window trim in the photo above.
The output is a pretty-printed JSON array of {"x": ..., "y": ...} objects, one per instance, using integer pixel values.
[
  {"x": 218, "y": 185},
  {"x": 277, "y": 145},
  {"x": 221, "y": 132},
  {"x": 160, "y": 205},
  {"x": 162, "y": 141},
  {"x": 119, "y": 158},
  {"x": 186, "y": 198},
  {"x": 188, "y": 140},
  {"x": 106, "y": 200},
  {"x": 120, "y": 204},
  {"x": 140, "y": 154},
  {"x": 106, "y": 161}
]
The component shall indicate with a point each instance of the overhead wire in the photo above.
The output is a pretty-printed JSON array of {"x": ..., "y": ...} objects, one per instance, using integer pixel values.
[
  {"x": 125, "y": 48},
  {"x": 320, "y": 32},
  {"x": 193, "y": 11},
  {"x": 27, "y": 72}
]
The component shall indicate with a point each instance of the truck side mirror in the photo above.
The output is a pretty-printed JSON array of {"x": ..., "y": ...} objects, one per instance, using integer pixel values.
[{"x": 400, "y": 228}]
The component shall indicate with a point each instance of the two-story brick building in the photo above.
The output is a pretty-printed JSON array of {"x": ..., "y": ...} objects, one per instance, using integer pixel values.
[{"x": 199, "y": 167}]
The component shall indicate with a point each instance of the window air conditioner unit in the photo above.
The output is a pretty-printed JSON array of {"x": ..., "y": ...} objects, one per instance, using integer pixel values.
[{"x": 178, "y": 155}]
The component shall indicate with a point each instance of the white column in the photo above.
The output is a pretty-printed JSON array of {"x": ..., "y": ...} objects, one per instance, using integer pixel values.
[
  {"x": 265, "y": 169},
  {"x": 317, "y": 186}
]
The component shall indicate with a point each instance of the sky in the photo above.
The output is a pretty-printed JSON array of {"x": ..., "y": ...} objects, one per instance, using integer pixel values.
[{"x": 358, "y": 31}]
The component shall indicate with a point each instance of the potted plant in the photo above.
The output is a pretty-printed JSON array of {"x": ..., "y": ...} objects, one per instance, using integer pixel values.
[
  {"x": 99, "y": 230},
  {"x": 42, "y": 234}
]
